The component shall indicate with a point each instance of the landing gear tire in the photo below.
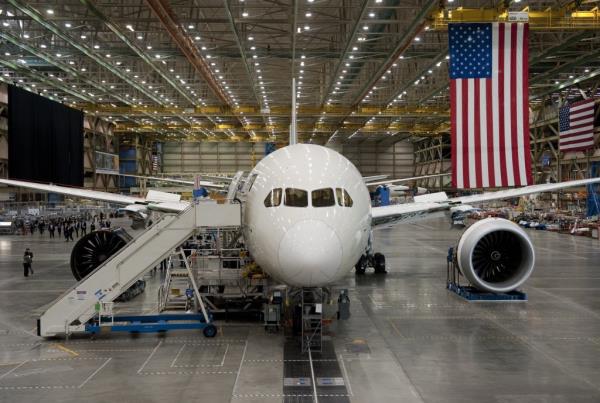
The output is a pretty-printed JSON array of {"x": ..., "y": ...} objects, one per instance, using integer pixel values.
[
  {"x": 379, "y": 263},
  {"x": 361, "y": 266},
  {"x": 210, "y": 331}
]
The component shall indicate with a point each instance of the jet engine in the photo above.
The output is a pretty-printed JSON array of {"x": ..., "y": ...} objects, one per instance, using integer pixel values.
[
  {"x": 95, "y": 248},
  {"x": 495, "y": 255}
]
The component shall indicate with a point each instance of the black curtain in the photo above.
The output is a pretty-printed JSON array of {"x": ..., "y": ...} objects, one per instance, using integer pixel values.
[{"x": 45, "y": 139}]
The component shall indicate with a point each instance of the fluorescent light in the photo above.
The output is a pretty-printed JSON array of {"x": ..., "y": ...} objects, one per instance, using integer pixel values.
[{"x": 129, "y": 27}]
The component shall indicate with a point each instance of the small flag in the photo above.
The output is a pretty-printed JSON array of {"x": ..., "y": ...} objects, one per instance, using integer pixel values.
[
  {"x": 576, "y": 126},
  {"x": 489, "y": 105}
]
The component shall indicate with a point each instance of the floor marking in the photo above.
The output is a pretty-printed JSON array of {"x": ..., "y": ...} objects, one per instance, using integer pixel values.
[
  {"x": 38, "y": 387},
  {"x": 177, "y": 356},
  {"x": 13, "y": 370},
  {"x": 280, "y": 395},
  {"x": 378, "y": 305},
  {"x": 240, "y": 368},
  {"x": 289, "y": 360},
  {"x": 94, "y": 373},
  {"x": 111, "y": 350},
  {"x": 188, "y": 373},
  {"x": 224, "y": 355},
  {"x": 345, "y": 375},
  {"x": 149, "y": 357},
  {"x": 68, "y": 350},
  {"x": 395, "y": 328},
  {"x": 312, "y": 374}
]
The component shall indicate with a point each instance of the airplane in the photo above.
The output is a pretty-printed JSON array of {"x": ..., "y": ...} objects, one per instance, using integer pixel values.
[
  {"x": 403, "y": 190},
  {"x": 308, "y": 219}
]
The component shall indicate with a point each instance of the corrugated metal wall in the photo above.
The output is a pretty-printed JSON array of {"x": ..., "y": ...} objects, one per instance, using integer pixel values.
[
  {"x": 396, "y": 160},
  {"x": 211, "y": 157}
]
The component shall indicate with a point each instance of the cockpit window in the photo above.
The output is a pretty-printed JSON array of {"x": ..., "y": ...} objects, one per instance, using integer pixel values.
[
  {"x": 323, "y": 197},
  {"x": 343, "y": 197},
  {"x": 296, "y": 197},
  {"x": 251, "y": 181},
  {"x": 273, "y": 199}
]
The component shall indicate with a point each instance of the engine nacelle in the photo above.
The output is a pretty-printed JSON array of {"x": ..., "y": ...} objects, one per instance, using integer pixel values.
[
  {"x": 495, "y": 255},
  {"x": 95, "y": 248}
]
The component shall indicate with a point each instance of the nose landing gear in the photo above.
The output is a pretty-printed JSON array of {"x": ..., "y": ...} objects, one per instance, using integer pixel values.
[{"x": 376, "y": 261}]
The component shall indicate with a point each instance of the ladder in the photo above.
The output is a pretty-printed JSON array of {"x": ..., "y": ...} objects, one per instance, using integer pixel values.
[
  {"x": 312, "y": 319},
  {"x": 172, "y": 293},
  {"x": 72, "y": 310}
]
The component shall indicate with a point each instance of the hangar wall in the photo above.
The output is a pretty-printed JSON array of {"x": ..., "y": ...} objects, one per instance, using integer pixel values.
[
  {"x": 396, "y": 160},
  {"x": 207, "y": 157}
]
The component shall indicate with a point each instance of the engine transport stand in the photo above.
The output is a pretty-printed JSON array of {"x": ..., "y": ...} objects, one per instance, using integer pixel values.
[{"x": 471, "y": 293}]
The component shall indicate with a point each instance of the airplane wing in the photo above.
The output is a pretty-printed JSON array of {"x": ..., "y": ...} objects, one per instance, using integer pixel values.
[
  {"x": 414, "y": 178},
  {"x": 368, "y": 179},
  {"x": 154, "y": 199},
  {"x": 205, "y": 184},
  {"x": 430, "y": 204}
]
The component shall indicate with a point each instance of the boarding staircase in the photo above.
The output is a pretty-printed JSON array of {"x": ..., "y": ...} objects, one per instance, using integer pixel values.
[{"x": 72, "y": 310}]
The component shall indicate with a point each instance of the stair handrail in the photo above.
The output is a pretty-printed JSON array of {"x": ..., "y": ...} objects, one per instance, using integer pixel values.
[{"x": 78, "y": 311}]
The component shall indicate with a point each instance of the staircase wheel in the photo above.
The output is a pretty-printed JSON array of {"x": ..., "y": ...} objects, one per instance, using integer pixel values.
[{"x": 209, "y": 331}]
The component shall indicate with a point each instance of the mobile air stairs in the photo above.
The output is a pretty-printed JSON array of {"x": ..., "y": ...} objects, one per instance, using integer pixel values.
[{"x": 72, "y": 311}]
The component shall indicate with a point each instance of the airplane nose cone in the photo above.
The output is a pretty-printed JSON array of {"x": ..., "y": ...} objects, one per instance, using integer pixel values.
[{"x": 310, "y": 253}]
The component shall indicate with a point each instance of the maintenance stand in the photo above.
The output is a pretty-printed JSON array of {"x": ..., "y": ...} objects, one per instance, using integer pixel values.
[
  {"x": 73, "y": 311},
  {"x": 471, "y": 293}
]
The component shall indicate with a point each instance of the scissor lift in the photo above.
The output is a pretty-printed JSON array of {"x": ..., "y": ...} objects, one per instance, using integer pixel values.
[{"x": 72, "y": 311}]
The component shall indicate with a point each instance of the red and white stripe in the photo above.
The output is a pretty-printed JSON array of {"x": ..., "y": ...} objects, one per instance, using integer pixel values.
[
  {"x": 580, "y": 135},
  {"x": 490, "y": 117}
]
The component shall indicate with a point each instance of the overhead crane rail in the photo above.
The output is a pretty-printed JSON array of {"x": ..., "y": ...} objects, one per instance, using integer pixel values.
[
  {"x": 549, "y": 19},
  {"x": 275, "y": 111}
]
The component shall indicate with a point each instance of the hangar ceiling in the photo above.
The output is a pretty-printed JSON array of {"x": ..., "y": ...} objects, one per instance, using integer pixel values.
[{"x": 214, "y": 70}]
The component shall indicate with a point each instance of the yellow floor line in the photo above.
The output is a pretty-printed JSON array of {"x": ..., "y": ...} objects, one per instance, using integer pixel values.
[{"x": 63, "y": 348}]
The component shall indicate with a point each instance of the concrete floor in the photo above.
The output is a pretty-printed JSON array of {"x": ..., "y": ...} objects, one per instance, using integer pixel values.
[{"x": 409, "y": 340}]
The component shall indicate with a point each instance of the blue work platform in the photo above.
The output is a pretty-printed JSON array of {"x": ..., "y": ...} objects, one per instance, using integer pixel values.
[
  {"x": 151, "y": 324},
  {"x": 473, "y": 294}
]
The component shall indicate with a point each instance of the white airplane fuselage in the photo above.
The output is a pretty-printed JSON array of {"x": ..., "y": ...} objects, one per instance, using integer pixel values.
[{"x": 306, "y": 246}]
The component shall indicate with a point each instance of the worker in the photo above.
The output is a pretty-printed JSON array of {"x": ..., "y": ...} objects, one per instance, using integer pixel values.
[
  {"x": 51, "y": 229},
  {"x": 27, "y": 261},
  {"x": 77, "y": 226},
  {"x": 83, "y": 228}
]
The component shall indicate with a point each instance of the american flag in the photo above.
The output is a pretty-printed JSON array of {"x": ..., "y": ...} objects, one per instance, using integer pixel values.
[
  {"x": 489, "y": 105},
  {"x": 576, "y": 126}
]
